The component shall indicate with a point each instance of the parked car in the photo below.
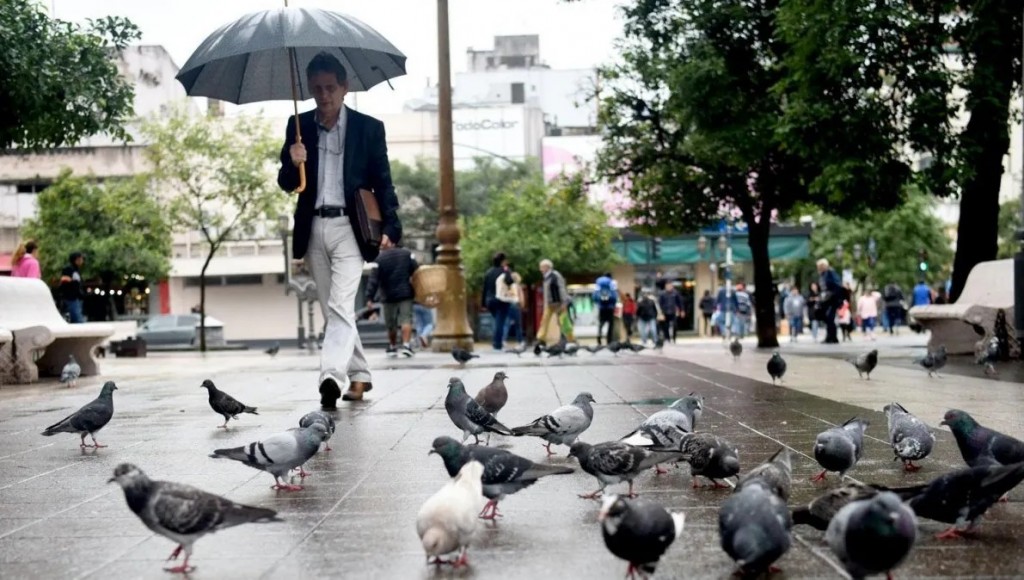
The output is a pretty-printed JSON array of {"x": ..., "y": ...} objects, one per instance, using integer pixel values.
[{"x": 180, "y": 330}]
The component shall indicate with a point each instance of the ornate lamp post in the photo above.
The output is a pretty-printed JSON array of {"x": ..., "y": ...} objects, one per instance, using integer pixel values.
[
  {"x": 725, "y": 247},
  {"x": 452, "y": 324}
]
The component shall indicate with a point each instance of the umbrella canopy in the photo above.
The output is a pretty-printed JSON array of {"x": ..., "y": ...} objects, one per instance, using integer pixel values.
[{"x": 247, "y": 61}]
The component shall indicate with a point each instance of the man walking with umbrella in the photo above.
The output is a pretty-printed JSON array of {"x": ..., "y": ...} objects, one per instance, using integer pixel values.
[{"x": 344, "y": 152}]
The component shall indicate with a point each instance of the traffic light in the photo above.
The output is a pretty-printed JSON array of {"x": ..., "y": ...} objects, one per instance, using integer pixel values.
[
  {"x": 655, "y": 249},
  {"x": 923, "y": 263}
]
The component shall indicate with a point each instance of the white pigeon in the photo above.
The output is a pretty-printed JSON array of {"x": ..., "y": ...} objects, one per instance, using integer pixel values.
[
  {"x": 279, "y": 454},
  {"x": 448, "y": 520},
  {"x": 70, "y": 373}
]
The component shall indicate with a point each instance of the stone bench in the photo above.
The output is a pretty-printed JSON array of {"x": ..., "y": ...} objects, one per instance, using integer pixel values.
[
  {"x": 42, "y": 339},
  {"x": 989, "y": 289}
]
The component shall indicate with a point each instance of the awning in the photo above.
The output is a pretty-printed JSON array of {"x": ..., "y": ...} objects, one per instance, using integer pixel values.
[{"x": 684, "y": 250}]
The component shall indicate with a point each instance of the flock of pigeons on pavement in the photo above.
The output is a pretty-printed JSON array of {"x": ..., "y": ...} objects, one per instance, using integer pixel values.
[{"x": 870, "y": 528}]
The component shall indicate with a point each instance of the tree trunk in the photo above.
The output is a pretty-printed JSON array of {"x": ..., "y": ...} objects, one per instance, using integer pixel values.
[
  {"x": 987, "y": 137},
  {"x": 764, "y": 285},
  {"x": 202, "y": 299}
]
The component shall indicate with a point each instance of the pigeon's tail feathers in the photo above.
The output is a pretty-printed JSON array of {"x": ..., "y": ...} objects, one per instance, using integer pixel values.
[
  {"x": 679, "y": 520},
  {"x": 250, "y": 410},
  {"x": 244, "y": 514},
  {"x": 541, "y": 426},
  {"x": 236, "y": 453},
  {"x": 62, "y": 426},
  {"x": 638, "y": 438},
  {"x": 803, "y": 515},
  {"x": 498, "y": 428},
  {"x": 731, "y": 463},
  {"x": 1003, "y": 479},
  {"x": 659, "y": 457},
  {"x": 540, "y": 470},
  {"x": 434, "y": 539},
  {"x": 905, "y": 493}
]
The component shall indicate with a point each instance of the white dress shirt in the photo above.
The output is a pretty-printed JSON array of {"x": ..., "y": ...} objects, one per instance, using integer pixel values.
[{"x": 331, "y": 177}]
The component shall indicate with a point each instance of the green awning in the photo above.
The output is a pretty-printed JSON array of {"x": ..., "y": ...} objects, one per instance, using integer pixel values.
[{"x": 684, "y": 250}]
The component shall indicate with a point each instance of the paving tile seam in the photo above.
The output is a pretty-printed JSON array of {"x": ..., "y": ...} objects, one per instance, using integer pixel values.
[
  {"x": 67, "y": 509},
  {"x": 74, "y": 463},
  {"x": 27, "y": 450},
  {"x": 820, "y": 554},
  {"x": 115, "y": 558}
]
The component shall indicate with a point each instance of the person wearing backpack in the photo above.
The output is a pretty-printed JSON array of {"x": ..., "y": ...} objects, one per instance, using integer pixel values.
[
  {"x": 605, "y": 297},
  {"x": 743, "y": 307},
  {"x": 893, "y": 297}
]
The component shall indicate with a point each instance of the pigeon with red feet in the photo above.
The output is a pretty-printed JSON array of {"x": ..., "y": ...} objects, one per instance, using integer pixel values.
[
  {"x": 224, "y": 404},
  {"x": 710, "y": 456},
  {"x": 448, "y": 522},
  {"x": 980, "y": 445},
  {"x": 910, "y": 438},
  {"x": 840, "y": 448},
  {"x": 872, "y": 536},
  {"x": 280, "y": 453},
  {"x": 89, "y": 419},
  {"x": 777, "y": 473},
  {"x": 638, "y": 531},
  {"x": 563, "y": 425},
  {"x": 754, "y": 525},
  {"x": 614, "y": 462}
]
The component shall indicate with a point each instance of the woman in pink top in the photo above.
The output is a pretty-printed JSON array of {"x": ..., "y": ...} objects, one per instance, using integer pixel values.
[
  {"x": 867, "y": 308},
  {"x": 24, "y": 261}
]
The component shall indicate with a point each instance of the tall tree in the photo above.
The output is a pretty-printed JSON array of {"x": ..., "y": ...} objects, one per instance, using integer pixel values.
[
  {"x": 529, "y": 222},
  {"x": 912, "y": 67},
  {"x": 119, "y": 225},
  {"x": 220, "y": 176},
  {"x": 60, "y": 81},
  {"x": 693, "y": 128}
]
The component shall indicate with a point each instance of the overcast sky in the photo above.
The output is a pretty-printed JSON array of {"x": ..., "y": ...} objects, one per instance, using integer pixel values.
[{"x": 575, "y": 35}]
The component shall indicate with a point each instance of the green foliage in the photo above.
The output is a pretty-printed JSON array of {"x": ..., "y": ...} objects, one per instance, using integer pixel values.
[
  {"x": 529, "y": 222},
  {"x": 60, "y": 83},
  {"x": 899, "y": 235},
  {"x": 418, "y": 187},
  {"x": 1009, "y": 224},
  {"x": 220, "y": 175},
  {"x": 119, "y": 225}
]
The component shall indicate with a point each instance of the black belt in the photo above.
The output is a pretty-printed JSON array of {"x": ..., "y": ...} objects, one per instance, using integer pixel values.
[{"x": 329, "y": 212}]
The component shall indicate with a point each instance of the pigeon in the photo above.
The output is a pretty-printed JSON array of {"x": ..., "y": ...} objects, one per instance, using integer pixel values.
[
  {"x": 273, "y": 350},
  {"x": 635, "y": 347},
  {"x": 324, "y": 419},
  {"x": 519, "y": 350},
  {"x": 557, "y": 349},
  {"x": 865, "y": 363},
  {"x": 572, "y": 349},
  {"x": 710, "y": 456},
  {"x": 280, "y": 453},
  {"x": 776, "y": 474},
  {"x": 538, "y": 349},
  {"x": 468, "y": 415},
  {"x": 563, "y": 425},
  {"x": 754, "y": 525},
  {"x": 448, "y": 520},
  {"x": 933, "y": 361},
  {"x": 736, "y": 348},
  {"x": 776, "y": 367},
  {"x": 987, "y": 354},
  {"x": 494, "y": 396},
  {"x": 820, "y": 511},
  {"x": 664, "y": 430},
  {"x": 224, "y": 404},
  {"x": 70, "y": 373},
  {"x": 463, "y": 356},
  {"x": 89, "y": 419},
  {"x": 614, "y": 347},
  {"x": 872, "y": 536},
  {"x": 594, "y": 349},
  {"x": 981, "y": 445},
  {"x": 910, "y": 438},
  {"x": 182, "y": 513},
  {"x": 615, "y": 462},
  {"x": 638, "y": 531},
  {"x": 839, "y": 448},
  {"x": 505, "y": 473},
  {"x": 962, "y": 497}
]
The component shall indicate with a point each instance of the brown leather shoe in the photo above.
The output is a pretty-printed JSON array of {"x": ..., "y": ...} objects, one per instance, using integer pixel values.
[{"x": 355, "y": 391}]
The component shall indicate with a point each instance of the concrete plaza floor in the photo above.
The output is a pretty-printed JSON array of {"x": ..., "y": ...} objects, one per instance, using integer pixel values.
[{"x": 356, "y": 517}]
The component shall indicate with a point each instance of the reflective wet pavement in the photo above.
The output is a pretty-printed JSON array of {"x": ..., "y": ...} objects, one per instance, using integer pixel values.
[{"x": 59, "y": 519}]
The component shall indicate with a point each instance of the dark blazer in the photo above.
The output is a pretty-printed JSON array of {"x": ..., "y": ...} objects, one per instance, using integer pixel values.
[{"x": 365, "y": 166}]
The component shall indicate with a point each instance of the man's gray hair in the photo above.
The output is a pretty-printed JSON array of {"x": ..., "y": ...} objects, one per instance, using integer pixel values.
[
  {"x": 546, "y": 262},
  {"x": 823, "y": 262}
]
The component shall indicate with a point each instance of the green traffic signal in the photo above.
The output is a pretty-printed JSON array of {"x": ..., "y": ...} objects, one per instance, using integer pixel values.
[{"x": 923, "y": 266}]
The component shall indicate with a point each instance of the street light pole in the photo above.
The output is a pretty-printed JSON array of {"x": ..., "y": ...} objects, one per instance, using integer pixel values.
[{"x": 452, "y": 325}]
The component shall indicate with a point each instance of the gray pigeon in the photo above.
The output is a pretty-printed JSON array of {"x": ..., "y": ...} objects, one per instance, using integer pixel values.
[
  {"x": 638, "y": 531},
  {"x": 505, "y": 473},
  {"x": 324, "y": 419},
  {"x": 615, "y": 462},
  {"x": 823, "y": 508},
  {"x": 933, "y": 361},
  {"x": 736, "y": 348},
  {"x": 839, "y": 448},
  {"x": 572, "y": 349},
  {"x": 463, "y": 356},
  {"x": 273, "y": 350},
  {"x": 224, "y": 404},
  {"x": 776, "y": 473},
  {"x": 518, "y": 351},
  {"x": 910, "y": 438},
  {"x": 872, "y": 536},
  {"x": 776, "y": 367},
  {"x": 89, "y": 419},
  {"x": 493, "y": 397},
  {"x": 980, "y": 445},
  {"x": 468, "y": 415},
  {"x": 865, "y": 363},
  {"x": 448, "y": 520},
  {"x": 754, "y": 525},
  {"x": 962, "y": 497},
  {"x": 664, "y": 429},
  {"x": 594, "y": 349},
  {"x": 710, "y": 456},
  {"x": 70, "y": 373},
  {"x": 280, "y": 453},
  {"x": 563, "y": 425},
  {"x": 182, "y": 513},
  {"x": 987, "y": 354}
]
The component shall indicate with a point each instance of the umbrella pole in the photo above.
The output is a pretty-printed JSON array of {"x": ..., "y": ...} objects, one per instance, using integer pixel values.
[{"x": 298, "y": 133}]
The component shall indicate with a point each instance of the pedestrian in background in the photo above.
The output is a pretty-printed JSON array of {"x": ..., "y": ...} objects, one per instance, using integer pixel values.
[
  {"x": 72, "y": 289},
  {"x": 813, "y": 300},
  {"x": 867, "y": 309},
  {"x": 829, "y": 300},
  {"x": 498, "y": 308},
  {"x": 392, "y": 279},
  {"x": 893, "y": 296},
  {"x": 605, "y": 298},
  {"x": 647, "y": 317},
  {"x": 793, "y": 308},
  {"x": 423, "y": 318},
  {"x": 743, "y": 309},
  {"x": 556, "y": 301},
  {"x": 707, "y": 308},
  {"x": 628, "y": 314},
  {"x": 671, "y": 304},
  {"x": 25, "y": 262},
  {"x": 513, "y": 295},
  {"x": 922, "y": 294}
]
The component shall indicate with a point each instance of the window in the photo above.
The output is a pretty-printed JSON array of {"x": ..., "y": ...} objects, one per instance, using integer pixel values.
[
  {"x": 518, "y": 93},
  {"x": 32, "y": 187}
]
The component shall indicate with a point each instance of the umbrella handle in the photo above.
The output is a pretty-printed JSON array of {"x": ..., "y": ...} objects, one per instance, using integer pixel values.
[
  {"x": 295, "y": 104},
  {"x": 302, "y": 178}
]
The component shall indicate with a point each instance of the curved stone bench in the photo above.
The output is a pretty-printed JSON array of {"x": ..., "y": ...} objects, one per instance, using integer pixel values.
[
  {"x": 42, "y": 339},
  {"x": 989, "y": 288}
]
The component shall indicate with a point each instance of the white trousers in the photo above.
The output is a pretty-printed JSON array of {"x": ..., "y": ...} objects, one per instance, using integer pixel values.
[{"x": 337, "y": 265}]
